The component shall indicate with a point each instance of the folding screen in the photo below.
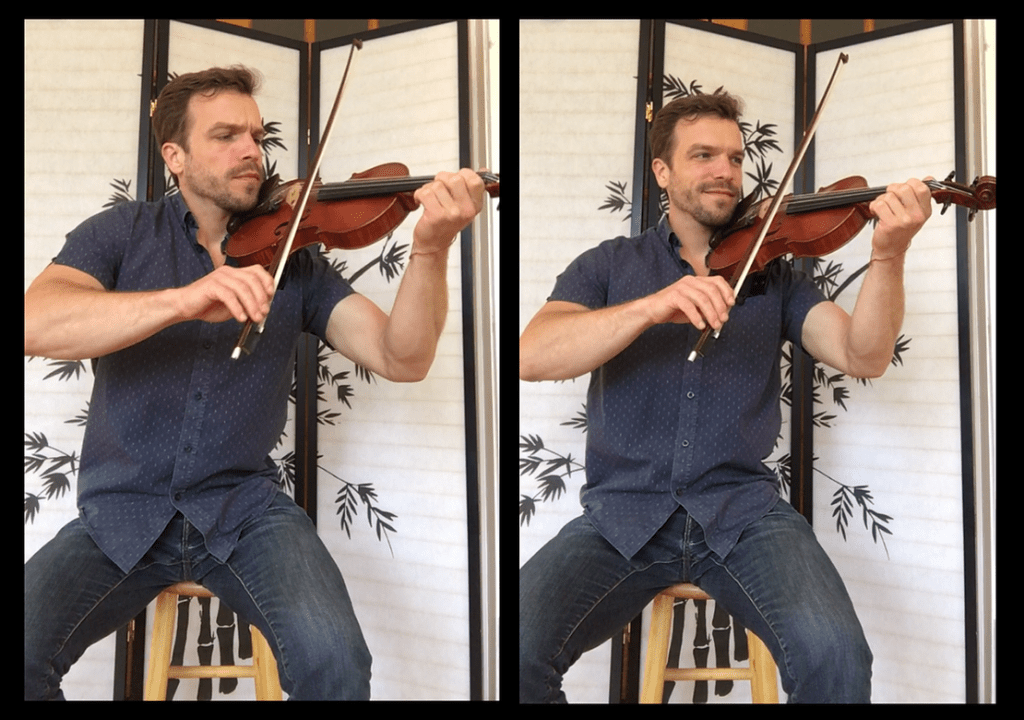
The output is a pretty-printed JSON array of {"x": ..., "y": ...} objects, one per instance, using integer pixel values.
[
  {"x": 411, "y": 569},
  {"x": 579, "y": 98},
  {"x": 901, "y": 437}
]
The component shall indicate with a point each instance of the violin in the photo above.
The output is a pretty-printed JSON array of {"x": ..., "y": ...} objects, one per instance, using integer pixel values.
[
  {"x": 292, "y": 215},
  {"x": 819, "y": 223},
  {"x": 347, "y": 215},
  {"x": 812, "y": 225}
]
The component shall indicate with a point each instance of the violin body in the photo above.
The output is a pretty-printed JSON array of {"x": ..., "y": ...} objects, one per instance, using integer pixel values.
[
  {"x": 808, "y": 234},
  {"x": 338, "y": 222},
  {"x": 820, "y": 223}
]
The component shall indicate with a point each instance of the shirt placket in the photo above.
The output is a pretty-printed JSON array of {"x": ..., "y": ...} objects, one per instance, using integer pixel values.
[
  {"x": 184, "y": 480},
  {"x": 686, "y": 434}
]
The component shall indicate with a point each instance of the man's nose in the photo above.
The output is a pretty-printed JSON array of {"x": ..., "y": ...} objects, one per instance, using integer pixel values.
[
  {"x": 723, "y": 167},
  {"x": 252, "y": 148}
]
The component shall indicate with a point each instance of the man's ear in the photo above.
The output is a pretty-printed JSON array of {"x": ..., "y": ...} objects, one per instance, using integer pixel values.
[
  {"x": 174, "y": 156},
  {"x": 661, "y": 172}
]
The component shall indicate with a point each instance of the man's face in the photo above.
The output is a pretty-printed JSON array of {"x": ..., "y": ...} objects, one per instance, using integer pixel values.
[
  {"x": 224, "y": 163},
  {"x": 704, "y": 178}
]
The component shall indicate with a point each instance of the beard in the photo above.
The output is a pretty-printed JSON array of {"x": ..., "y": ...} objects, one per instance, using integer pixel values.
[
  {"x": 219, "y": 190},
  {"x": 711, "y": 211}
]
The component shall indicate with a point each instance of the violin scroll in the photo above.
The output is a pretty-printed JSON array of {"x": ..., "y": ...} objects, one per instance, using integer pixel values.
[{"x": 979, "y": 195}]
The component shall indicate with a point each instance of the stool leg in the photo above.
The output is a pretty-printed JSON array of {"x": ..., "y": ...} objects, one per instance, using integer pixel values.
[
  {"x": 763, "y": 685},
  {"x": 268, "y": 684},
  {"x": 657, "y": 650},
  {"x": 160, "y": 647}
]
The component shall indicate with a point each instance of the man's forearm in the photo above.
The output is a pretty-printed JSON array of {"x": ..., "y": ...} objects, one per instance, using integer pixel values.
[
  {"x": 566, "y": 341},
  {"x": 69, "y": 322},
  {"x": 418, "y": 315},
  {"x": 877, "y": 317}
]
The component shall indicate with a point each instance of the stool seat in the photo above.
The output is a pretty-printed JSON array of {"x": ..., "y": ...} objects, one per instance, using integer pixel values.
[
  {"x": 263, "y": 669},
  {"x": 761, "y": 673}
]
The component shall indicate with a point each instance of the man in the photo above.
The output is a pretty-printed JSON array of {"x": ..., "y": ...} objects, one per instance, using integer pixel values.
[
  {"x": 175, "y": 481},
  {"x": 676, "y": 489}
]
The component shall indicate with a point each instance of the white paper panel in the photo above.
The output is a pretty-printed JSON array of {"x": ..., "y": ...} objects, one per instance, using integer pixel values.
[
  {"x": 406, "y": 439},
  {"x": 891, "y": 117}
]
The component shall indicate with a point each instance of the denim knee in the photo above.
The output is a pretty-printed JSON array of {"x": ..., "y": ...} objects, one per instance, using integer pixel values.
[{"x": 832, "y": 667}]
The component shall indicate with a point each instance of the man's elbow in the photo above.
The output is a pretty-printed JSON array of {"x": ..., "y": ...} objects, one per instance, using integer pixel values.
[
  {"x": 528, "y": 368},
  {"x": 409, "y": 370},
  {"x": 868, "y": 369}
]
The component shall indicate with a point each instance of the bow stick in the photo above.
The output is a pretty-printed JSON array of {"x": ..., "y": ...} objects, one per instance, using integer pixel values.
[
  {"x": 249, "y": 336},
  {"x": 737, "y": 281}
]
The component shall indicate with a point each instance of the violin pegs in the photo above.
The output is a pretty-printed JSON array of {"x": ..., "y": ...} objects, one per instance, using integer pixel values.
[
  {"x": 945, "y": 207},
  {"x": 949, "y": 178}
]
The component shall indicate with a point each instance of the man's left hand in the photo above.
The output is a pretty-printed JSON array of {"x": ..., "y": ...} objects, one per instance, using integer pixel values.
[
  {"x": 901, "y": 212},
  {"x": 450, "y": 202}
]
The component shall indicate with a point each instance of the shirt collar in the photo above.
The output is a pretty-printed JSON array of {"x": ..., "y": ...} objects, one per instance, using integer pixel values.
[
  {"x": 183, "y": 214},
  {"x": 667, "y": 235},
  {"x": 187, "y": 219}
]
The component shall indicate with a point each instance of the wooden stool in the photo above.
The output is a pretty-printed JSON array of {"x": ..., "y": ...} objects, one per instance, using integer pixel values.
[
  {"x": 761, "y": 672},
  {"x": 263, "y": 668}
]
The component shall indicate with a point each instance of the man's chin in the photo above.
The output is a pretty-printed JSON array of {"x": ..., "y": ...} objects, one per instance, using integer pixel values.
[{"x": 241, "y": 204}]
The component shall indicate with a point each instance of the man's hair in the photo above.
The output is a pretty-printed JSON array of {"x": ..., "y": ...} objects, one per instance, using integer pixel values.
[
  {"x": 171, "y": 119},
  {"x": 689, "y": 107}
]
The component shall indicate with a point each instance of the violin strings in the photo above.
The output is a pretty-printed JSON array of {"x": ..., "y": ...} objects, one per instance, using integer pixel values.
[
  {"x": 818, "y": 201},
  {"x": 380, "y": 186}
]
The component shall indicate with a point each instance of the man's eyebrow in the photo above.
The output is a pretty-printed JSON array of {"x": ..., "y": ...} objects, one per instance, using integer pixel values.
[
  {"x": 702, "y": 146},
  {"x": 236, "y": 128}
]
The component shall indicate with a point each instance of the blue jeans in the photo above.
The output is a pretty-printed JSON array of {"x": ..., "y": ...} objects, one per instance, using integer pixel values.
[
  {"x": 578, "y": 591},
  {"x": 279, "y": 578}
]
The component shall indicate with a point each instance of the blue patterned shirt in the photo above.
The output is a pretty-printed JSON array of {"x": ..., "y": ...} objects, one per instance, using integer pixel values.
[
  {"x": 174, "y": 423},
  {"x": 664, "y": 432}
]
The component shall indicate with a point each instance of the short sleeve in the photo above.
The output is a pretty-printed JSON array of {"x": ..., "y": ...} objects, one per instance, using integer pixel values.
[
  {"x": 585, "y": 281},
  {"x": 799, "y": 294},
  {"x": 323, "y": 289},
  {"x": 97, "y": 245}
]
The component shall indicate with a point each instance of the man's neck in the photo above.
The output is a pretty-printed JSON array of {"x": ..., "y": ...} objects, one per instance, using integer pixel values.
[
  {"x": 212, "y": 221},
  {"x": 694, "y": 239}
]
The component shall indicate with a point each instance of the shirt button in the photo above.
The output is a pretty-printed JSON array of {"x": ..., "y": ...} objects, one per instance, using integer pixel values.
[
  {"x": 177, "y": 496},
  {"x": 690, "y": 395},
  {"x": 686, "y": 443}
]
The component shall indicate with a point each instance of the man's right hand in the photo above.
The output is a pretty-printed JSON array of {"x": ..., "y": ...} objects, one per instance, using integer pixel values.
[
  {"x": 693, "y": 299},
  {"x": 228, "y": 292}
]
